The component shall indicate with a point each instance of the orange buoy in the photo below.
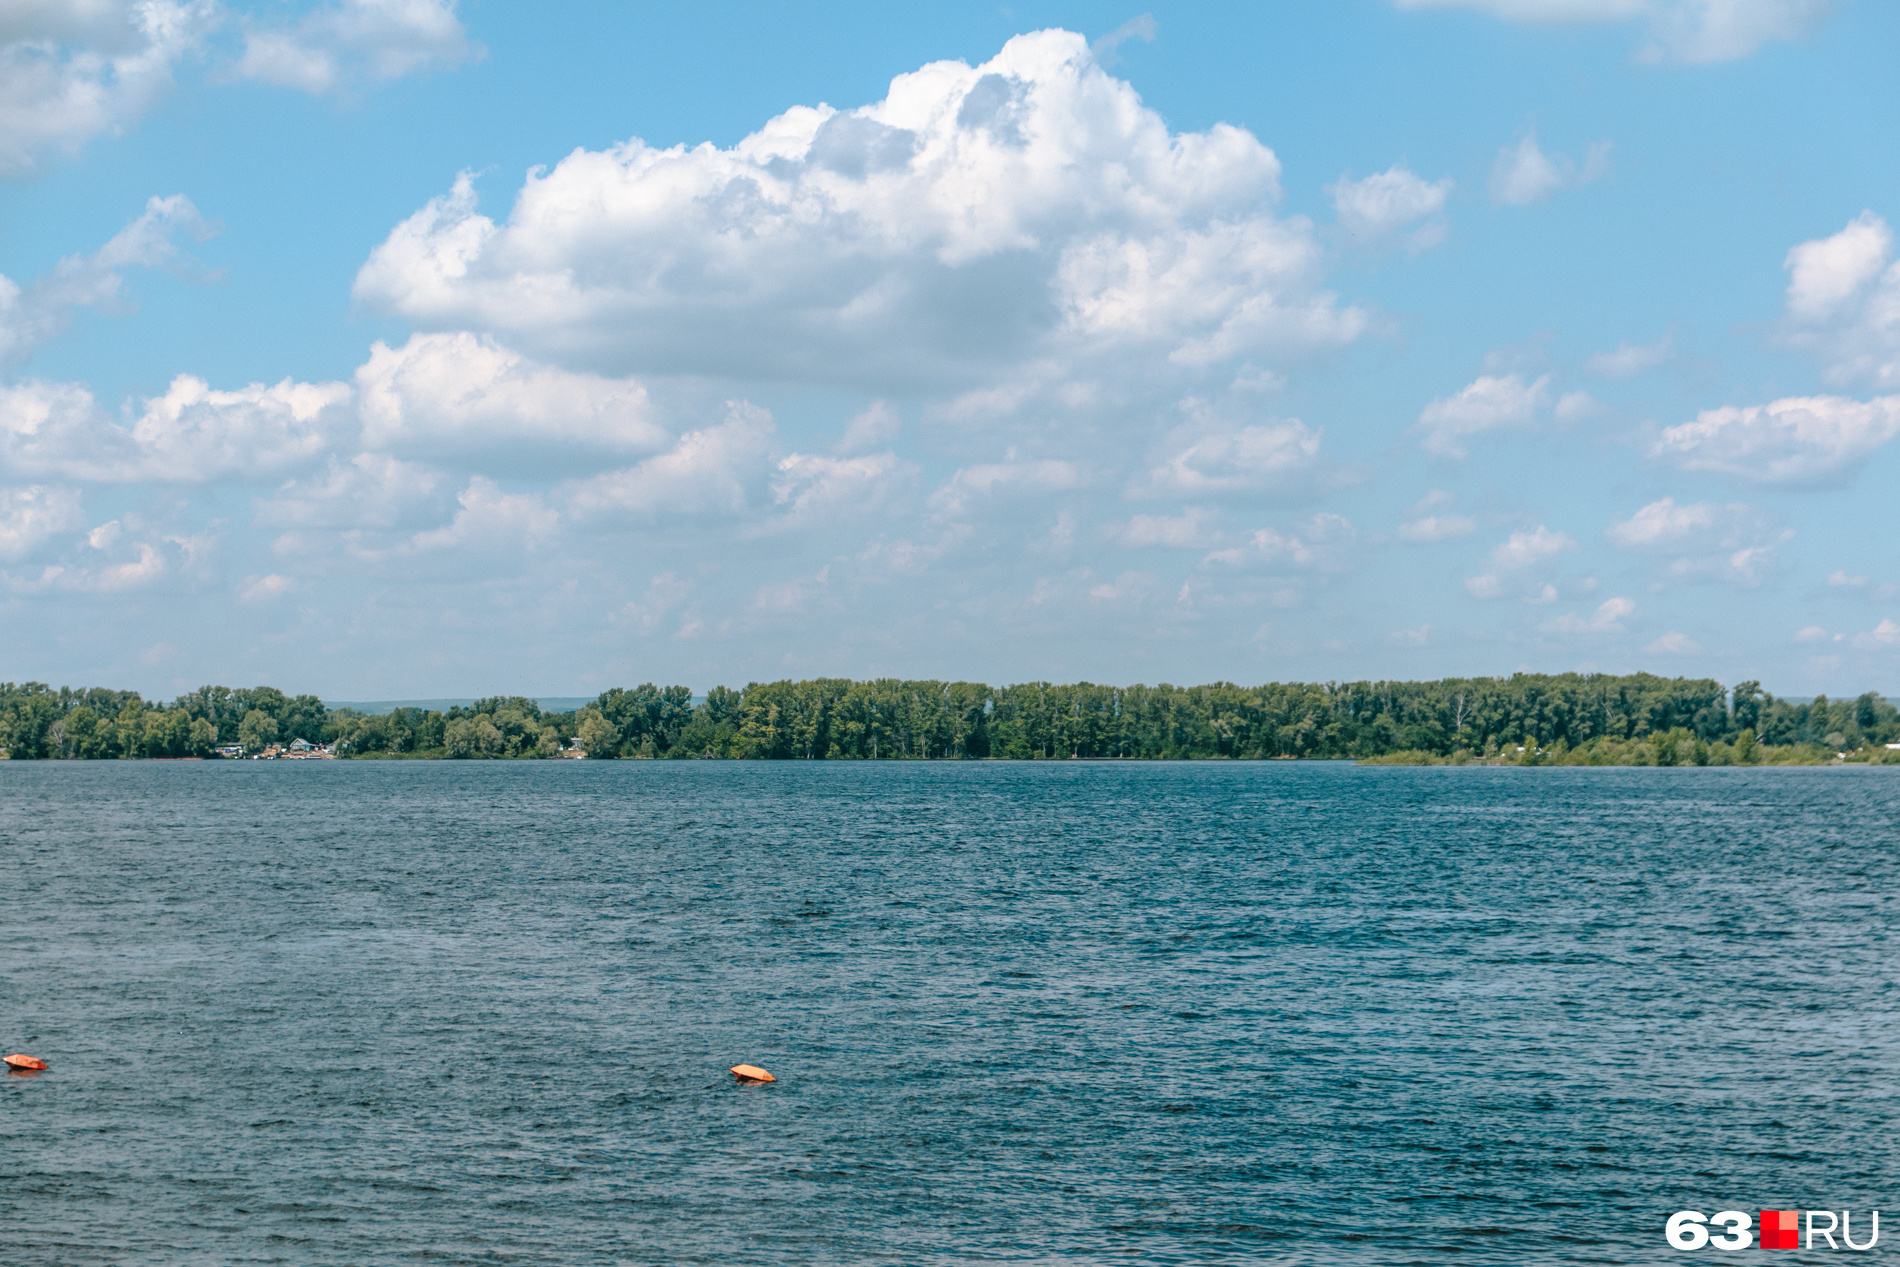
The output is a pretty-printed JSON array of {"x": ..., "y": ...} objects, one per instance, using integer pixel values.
[
  {"x": 751, "y": 1073},
  {"x": 17, "y": 1061}
]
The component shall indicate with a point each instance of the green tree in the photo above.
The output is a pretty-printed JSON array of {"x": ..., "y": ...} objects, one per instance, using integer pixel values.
[
  {"x": 599, "y": 737},
  {"x": 257, "y": 731}
]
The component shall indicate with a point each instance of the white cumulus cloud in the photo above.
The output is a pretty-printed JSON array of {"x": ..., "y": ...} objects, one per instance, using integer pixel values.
[
  {"x": 1520, "y": 552},
  {"x": 441, "y": 394},
  {"x": 1028, "y": 215},
  {"x": 1800, "y": 440},
  {"x": 1524, "y": 174},
  {"x": 1666, "y": 525},
  {"x": 1431, "y": 529},
  {"x": 808, "y": 487},
  {"x": 719, "y": 471},
  {"x": 33, "y": 515},
  {"x": 1673, "y": 643},
  {"x": 75, "y": 70},
  {"x": 988, "y": 483},
  {"x": 1844, "y": 302},
  {"x": 369, "y": 491},
  {"x": 1392, "y": 205},
  {"x": 261, "y": 589},
  {"x": 191, "y": 434},
  {"x": 1489, "y": 403},
  {"x": 491, "y": 521},
  {"x": 1607, "y": 618},
  {"x": 1210, "y": 457},
  {"x": 1323, "y": 542},
  {"x": 1882, "y": 637}
]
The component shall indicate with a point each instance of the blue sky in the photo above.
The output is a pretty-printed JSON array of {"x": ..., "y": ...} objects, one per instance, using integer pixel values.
[{"x": 393, "y": 348}]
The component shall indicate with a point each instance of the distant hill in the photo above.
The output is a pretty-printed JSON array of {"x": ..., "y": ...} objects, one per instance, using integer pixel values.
[{"x": 378, "y": 707}]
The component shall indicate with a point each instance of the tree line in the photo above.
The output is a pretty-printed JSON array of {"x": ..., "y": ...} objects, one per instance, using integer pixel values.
[{"x": 1576, "y": 717}]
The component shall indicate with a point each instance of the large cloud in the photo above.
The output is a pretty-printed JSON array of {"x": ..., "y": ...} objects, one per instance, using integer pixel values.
[
  {"x": 1025, "y": 216},
  {"x": 1801, "y": 440},
  {"x": 1844, "y": 302},
  {"x": 448, "y": 399},
  {"x": 70, "y": 71}
]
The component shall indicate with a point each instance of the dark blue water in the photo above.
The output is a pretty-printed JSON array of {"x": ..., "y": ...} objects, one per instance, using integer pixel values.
[{"x": 1283, "y": 1013}]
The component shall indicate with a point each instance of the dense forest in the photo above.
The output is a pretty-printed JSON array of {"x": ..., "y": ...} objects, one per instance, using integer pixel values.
[{"x": 1571, "y": 718}]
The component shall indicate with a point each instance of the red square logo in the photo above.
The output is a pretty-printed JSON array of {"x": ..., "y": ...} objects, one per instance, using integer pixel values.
[{"x": 1781, "y": 1229}]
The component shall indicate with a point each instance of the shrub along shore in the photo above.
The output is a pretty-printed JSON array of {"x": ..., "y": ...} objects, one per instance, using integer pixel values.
[{"x": 1525, "y": 719}]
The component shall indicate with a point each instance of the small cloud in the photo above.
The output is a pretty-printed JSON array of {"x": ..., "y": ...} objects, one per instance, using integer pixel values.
[
  {"x": 1143, "y": 28},
  {"x": 1410, "y": 637},
  {"x": 1673, "y": 643},
  {"x": 1193, "y": 530},
  {"x": 32, "y": 516},
  {"x": 1882, "y": 637},
  {"x": 1322, "y": 543},
  {"x": 1431, "y": 529},
  {"x": 1575, "y": 407},
  {"x": 1812, "y": 633},
  {"x": 1489, "y": 403},
  {"x": 1839, "y": 579},
  {"x": 1392, "y": 205},
  {"x": 1521, "y": 550},
  {"x": 334, "y": 48},
  {"x": 1631, "y": 359},
  {"x": 874, "y": 428},
  {"x": 1128, "y": 588},
  {"x": 1524, "y": 174},
  {"x": 1209, "y": 457},
  {"x": 975, "y": 485},
  {"x": 1608, "y": 618},
  {"x": 259, "y": 589}
]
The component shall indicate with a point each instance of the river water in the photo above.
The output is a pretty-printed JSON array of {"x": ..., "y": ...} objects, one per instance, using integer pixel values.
[{"x": 365, "y": 1012}]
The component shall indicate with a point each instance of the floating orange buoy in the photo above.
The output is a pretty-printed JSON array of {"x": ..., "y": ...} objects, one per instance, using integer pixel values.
[
  {"x": 745, "y": 1073},
  {"x": 17, "y": 1061}
]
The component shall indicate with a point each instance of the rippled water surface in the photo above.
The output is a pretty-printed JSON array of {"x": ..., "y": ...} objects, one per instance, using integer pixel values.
[{"x": 1305, "y": 1013}]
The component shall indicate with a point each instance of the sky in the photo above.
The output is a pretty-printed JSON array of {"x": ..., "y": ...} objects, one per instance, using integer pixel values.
[{"x": 402, "y": 348}]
